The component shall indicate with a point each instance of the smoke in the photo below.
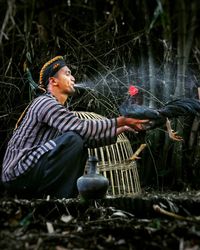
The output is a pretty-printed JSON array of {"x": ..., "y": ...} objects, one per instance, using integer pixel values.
[{"x": 111, "y": 87}]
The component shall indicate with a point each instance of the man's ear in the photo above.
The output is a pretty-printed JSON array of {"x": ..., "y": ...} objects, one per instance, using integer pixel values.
[{"x": 53, "y": 81}]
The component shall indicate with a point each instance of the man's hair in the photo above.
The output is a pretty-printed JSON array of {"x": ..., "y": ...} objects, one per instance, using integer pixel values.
[{"x": 49, "y": 69}]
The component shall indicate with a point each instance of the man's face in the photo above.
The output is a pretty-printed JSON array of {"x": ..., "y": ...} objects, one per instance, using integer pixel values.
[{"x": 65, "y": 81}]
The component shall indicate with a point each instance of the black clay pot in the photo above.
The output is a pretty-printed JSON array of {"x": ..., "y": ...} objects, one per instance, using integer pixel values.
[{"x": 92, "y": 185}]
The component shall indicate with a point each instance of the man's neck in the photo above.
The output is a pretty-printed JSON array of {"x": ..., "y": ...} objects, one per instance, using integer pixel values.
[{"x": 61, "y": 98}]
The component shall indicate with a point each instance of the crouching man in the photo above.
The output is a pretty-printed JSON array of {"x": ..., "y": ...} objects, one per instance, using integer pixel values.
[{"x": 47, "y": 152}]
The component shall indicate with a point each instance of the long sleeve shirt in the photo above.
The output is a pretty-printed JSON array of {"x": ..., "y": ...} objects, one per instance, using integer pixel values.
[{"x": 44, "y": 120}]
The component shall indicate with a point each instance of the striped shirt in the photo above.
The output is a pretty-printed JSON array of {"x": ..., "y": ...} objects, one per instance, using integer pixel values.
[{"x": 46, "y": 119}]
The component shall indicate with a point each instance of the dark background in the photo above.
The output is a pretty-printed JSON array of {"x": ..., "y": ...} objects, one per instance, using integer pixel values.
[{"x": 109, "y": 44}]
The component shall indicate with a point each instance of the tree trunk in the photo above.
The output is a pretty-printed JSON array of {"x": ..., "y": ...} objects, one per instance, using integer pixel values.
[
  {"x": 167, "y": 55},
  {"x": 151, "y": 66},
  {"x": 185, "y": 38},
  {"x": 181, "y": 67},
  {"x": 186, "y": 27}
]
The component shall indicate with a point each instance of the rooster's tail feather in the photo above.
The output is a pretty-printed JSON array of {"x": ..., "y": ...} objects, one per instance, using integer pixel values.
[{"x": 181, "y": 107}]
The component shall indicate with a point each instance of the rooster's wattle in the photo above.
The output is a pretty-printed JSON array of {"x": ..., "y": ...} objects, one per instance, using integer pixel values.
[{"x": 158, "y": 117}]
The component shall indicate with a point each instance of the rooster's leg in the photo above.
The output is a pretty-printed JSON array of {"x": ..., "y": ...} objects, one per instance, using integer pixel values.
[
  {"x": 173, "y": 135},
  {"x": 137, "y": 152}
]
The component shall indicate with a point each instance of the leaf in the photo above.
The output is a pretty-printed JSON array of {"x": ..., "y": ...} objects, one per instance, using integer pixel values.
[
  {"x": 50, "y": 227},
  {"x": 66, "y": 218},
  {"x": 26, "y": 220},
  {"x": 157, "y": 12},
  {"x": 28, "y": 56}
]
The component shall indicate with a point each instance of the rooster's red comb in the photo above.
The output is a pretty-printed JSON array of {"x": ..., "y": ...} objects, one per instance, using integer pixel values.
[{"x": 133, "y": 90}]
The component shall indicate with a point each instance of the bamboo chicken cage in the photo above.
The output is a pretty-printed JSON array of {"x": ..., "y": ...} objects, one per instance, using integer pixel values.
[{"x": 115, "y": 164}]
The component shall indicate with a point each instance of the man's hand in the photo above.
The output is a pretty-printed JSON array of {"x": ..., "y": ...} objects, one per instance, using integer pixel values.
[
  {"x": 136, "y": 124},
  {"x": 130, "y": 124}
]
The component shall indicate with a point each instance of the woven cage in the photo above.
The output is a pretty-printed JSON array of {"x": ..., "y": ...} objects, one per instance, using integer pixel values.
[{"x": 114, "y": 163}]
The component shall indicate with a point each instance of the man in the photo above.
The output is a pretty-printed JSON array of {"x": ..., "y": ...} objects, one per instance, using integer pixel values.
[{"x": 48, "y": 150}]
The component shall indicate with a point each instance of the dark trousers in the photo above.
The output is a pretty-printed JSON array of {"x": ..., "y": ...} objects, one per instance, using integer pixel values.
[{"x": 56, "y": 172}]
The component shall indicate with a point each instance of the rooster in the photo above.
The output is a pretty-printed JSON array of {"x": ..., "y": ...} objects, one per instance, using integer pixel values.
[{"x": 159, "y": 117}]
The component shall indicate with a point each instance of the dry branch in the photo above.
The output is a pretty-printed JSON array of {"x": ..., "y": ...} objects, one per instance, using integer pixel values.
[
  {"x": 160, "y": 210},
  {"x": 6, "y": 20}
]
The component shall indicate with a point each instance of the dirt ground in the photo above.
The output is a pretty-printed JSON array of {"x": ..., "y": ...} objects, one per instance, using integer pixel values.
[{"x": 148, "y": 221}]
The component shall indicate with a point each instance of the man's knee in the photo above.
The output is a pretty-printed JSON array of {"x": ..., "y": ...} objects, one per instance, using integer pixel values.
[
  {"x": 70, "y": 140},
  {"x": 73, "y": 138}
]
